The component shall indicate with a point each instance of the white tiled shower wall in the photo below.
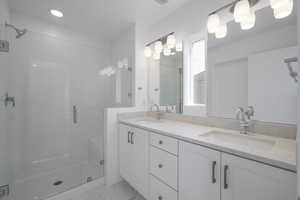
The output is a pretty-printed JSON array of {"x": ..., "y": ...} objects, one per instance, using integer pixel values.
[
  {"x": 5, "y": 173},
  {"x": 51, "y": 69}
]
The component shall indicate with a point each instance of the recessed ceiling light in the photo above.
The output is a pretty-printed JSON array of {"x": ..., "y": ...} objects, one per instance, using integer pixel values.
[{"x": 56, "y": 13}]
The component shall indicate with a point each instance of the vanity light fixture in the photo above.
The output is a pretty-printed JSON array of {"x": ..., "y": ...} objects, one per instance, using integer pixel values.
[
  {"x": 166, "y": 45},
  {"x": 244, "y": 13},
  {"x": 56, "y": 13}
]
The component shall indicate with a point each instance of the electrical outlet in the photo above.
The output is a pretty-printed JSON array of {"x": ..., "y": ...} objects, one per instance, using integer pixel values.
[
  {"x": 4, "y": 46},
  {"x": 4, "y": 191}
]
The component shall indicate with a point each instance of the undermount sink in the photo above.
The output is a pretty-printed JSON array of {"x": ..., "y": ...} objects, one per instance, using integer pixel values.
[
  {"x": 240, "y": 140},
  {"x": 148, "y": 121}
]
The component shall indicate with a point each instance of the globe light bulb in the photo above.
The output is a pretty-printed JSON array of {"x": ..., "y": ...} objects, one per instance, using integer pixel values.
[
  {"x": 221, "y": 31},
  {"x": 158, "y": 47},
  {"x": 275, "y": 4},
  {"x": 284, "y": 11},
  {"x": 156, "y": 56},
  {"x": 241, "y": 9},
  {"x": 171, "y": 41},
  {"x": 248, "y": 22},
  {"x": 167, "y": 51},
  {"x": 148, "y": 52},
  {"x": 213, "y": 23}
]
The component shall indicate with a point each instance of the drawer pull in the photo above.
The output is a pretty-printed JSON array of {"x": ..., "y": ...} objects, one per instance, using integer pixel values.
[
  {"x": 160, "y": 198},
  {"x": 128, "y": 136},
  {"x": 214, "y": 164},
  {"x": 225, "y": 176},
  {"x": 132, "y": 139},
  {"x": 161, "y": 142},
  {"x": 160, "y": 166}
]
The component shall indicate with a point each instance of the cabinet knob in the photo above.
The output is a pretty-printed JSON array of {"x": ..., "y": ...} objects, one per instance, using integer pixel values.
[
  {"x": 160, "y": 166},
  {"x": 161, "y": 142},
  {"x": 160, "y": 198}
]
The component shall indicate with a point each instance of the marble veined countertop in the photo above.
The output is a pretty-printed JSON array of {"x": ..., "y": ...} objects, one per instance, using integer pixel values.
[{"x": 274, "y": 151}]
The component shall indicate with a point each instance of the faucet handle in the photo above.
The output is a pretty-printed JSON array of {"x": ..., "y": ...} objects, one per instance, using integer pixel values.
[
  {"x": 239, "y": 111},
  {"x": 250, "y": 112}
]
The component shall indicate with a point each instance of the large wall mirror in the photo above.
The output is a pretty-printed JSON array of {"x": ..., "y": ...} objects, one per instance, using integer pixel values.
[
  {"x": 247, "y": 68},
  {"x": 214, "y": 77}
]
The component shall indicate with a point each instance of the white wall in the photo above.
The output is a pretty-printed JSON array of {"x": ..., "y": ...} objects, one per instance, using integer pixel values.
[
  {"x": 52, "y": 69},
  {"x": 281, "y": 89},
  {"x": 5, "y": 177},
  {"x": 140, "y": 71}
]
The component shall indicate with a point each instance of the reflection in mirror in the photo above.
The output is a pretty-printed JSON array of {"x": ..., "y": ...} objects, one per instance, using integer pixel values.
[
  {"x": 165, "y": 81},
  {"x": 247, "y": 68},
  {"x": 196, "y": 74}
]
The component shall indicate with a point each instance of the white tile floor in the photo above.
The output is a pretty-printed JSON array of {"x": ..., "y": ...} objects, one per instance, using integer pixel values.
[{"x": 98, "y": 191}]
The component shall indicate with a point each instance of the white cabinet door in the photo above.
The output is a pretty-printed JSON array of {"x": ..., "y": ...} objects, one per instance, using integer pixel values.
[
  {"x": 125, "y": 152},
  {"x": 243, "y": 179},
  {"x": 199, "y": 173},
  {"x": 133, "y": 151},
  {"x": 140, "y": 154}
]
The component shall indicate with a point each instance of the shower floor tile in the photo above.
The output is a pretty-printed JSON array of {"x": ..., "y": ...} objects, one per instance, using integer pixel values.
[{"x": 98, "y": 191}]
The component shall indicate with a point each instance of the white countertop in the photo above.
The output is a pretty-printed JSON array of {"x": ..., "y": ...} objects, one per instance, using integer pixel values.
[{"x": 281, "y": 155}]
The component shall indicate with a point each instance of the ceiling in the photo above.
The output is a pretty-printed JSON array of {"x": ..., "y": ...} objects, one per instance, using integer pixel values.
[{"x": 105, "y": 18}]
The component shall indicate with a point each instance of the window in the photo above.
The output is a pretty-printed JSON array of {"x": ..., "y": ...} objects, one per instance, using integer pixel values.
[{"x": 195, "y": 70}]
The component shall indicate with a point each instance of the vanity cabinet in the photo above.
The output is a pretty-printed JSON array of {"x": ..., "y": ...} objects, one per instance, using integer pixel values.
[
  {"x": 211, "y": 175},
  {"x": 133, "y": 151},
  {"x": 248, "y": 180},
  {"x": 164, "y": 168},
  {"x": 199, "y": 172}
]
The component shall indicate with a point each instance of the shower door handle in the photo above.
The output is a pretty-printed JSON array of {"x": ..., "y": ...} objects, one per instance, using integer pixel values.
[{"x": 75, "y": 114}]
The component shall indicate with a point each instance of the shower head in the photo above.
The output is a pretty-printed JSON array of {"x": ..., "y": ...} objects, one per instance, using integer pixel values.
[{"x": 20, "y": 32}]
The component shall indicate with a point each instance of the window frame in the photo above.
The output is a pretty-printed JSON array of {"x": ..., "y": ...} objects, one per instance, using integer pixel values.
[{"x": 188, "y": 93}]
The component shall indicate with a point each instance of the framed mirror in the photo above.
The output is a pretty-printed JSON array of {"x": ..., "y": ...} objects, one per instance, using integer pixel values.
[{"x": 166, "y": 81}]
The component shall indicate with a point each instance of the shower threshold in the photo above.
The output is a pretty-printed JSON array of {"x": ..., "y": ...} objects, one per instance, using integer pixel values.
[{"x": 97, "y": 190}]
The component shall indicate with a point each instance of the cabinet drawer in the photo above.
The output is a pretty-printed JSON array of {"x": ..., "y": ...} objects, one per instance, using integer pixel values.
[
  {"x": 164, "y": 166},
  {"x": 165, "y": 143},
  {"x": 160, "y": 191}
]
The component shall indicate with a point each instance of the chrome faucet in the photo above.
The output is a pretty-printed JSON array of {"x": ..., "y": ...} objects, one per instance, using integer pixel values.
[
  {"x": 158, "y": 112},
  {"x": 245, "y": 118}
]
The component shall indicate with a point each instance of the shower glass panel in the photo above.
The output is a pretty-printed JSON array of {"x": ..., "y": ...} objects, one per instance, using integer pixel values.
[{"x": 52, "y": 152}]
